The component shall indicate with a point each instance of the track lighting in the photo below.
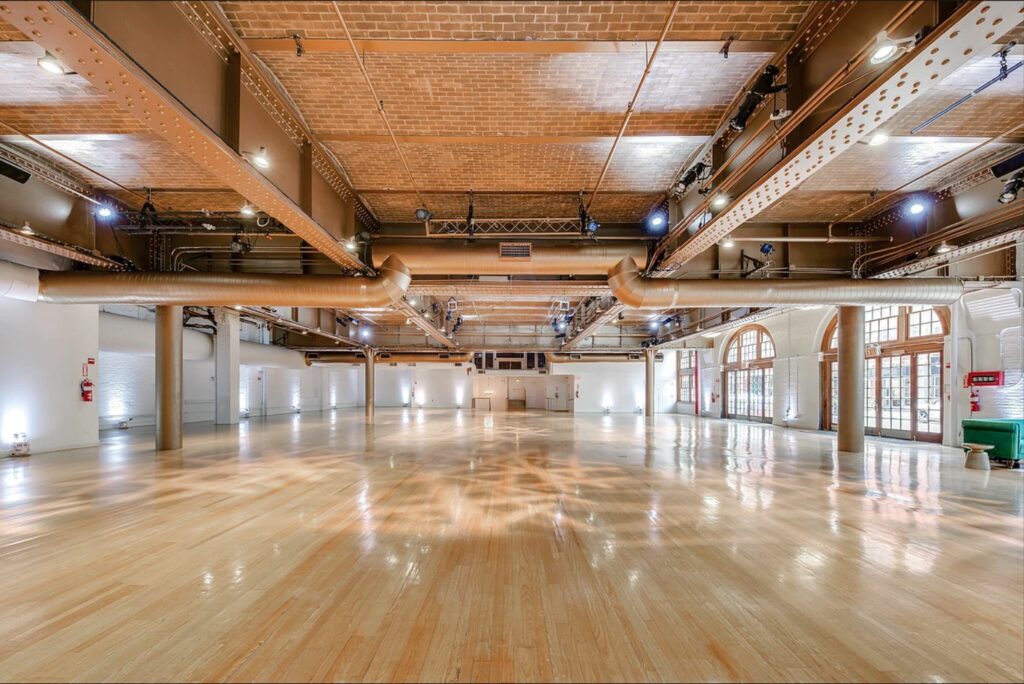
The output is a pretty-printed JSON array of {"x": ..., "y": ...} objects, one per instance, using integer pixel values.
[
  {"x": 886, "y": 48},
  {"x": 764, "y": 86},
  {"x": 878, "y": 139},
  {"x": 49, "y": 63},
  {"x": 1012, "y": 187},
  {"x": 260, "y": 159},
  {"x": 247, "y": 210},
  {"x": 423, "y": 214}
]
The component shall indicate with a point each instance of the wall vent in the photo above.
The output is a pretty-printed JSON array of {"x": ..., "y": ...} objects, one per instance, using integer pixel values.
[{"x": 514, "y": 251}]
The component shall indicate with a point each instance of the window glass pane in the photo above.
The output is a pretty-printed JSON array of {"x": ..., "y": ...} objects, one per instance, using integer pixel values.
[
  {"x": 881, "y": 323},
  {"x": 769, "y": 392},
  {"x": 923, "y": 322},
  {"x": 748, "y": 346},
  {"x": 767, "y": 347},
  {"x": 731, "y": 355}
]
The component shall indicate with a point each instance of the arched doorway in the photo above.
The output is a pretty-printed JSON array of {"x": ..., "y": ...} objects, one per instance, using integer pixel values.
[
  {"x": 902, "y": 372},
  {"x": 748, "y": 375}
]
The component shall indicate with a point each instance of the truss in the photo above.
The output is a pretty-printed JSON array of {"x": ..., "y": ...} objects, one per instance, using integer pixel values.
[{"x": 507, "y": 226}]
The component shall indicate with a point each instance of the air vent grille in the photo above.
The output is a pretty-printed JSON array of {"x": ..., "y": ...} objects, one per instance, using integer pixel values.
[{"x": 515, "y": 251}]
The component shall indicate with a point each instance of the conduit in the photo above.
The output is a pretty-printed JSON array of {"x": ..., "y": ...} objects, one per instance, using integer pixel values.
[
  {"x": 448, "y": 258},
  {"x": 388, "y": 357},
  {"x": 633, "y": 357},
  {"x": 632, "y": 290},
  {"x": 220, "y": 289}
]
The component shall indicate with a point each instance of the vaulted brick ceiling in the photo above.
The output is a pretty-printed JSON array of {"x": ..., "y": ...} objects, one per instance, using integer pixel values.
[{"x": 500, "y": 120}]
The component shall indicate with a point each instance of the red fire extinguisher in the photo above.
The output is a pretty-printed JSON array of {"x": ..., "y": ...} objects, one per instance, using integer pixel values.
[
  {"x": 86, "y": 387},
  {"x": 975, "y": 401}
]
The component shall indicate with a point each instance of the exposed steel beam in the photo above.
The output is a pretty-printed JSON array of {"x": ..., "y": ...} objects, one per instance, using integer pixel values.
[
  {"x": 60, "y": 29},
  {"x": 532, "y": 47},
  {"x": 969, "y": 32}
]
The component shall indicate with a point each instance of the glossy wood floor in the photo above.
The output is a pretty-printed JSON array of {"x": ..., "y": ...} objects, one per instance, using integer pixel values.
[{"x": 458, "y": 546}]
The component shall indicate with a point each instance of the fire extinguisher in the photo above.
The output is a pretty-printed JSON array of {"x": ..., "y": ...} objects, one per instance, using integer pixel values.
[
  {"x": 86, "y": 388},
  {"x": 975, "y": 401}
]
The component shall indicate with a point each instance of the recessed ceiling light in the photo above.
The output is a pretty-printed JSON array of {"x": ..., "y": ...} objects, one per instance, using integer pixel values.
[
  {"x": 261, "y": 159},
  {"x": 49, "y": 63},
  {"x": 878, "y": 139}
]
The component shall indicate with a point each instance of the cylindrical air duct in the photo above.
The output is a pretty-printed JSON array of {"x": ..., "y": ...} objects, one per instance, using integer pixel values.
[
  {"x": 633, "y": 290},
  {"x": 226, "y": 289}
]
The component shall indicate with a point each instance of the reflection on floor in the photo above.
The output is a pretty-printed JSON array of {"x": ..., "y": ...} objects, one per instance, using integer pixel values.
[{"x": 465, "y": 546}]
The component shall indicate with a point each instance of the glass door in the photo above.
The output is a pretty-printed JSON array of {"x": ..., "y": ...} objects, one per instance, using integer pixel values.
[
  {"x": 896, "y": 400},
  {"x": 928, "y": 396}
]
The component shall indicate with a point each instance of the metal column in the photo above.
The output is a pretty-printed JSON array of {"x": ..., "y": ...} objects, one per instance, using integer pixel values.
[
  {"x": 370, "y": 357},
  {"x": 649, "y": 382},
  {"x": 168, "y": 377},
  {"x": 851, "y": 379}
]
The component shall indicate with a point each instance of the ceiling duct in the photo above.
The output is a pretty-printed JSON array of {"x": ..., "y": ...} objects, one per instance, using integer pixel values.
[
  {"x": 451, "y": 257},
  {"x": 633, "y": 290},
  {"x": 211, "y": 289}
]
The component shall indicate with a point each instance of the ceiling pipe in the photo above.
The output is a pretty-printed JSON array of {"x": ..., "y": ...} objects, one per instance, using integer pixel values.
[
  {"x": 389, "y": 357},
  {"x": 576, "y": 357},
  {"x": 447, "y": 258},
  {"x": 212, "y": 289},
  {"x": 652, "y": 293}
]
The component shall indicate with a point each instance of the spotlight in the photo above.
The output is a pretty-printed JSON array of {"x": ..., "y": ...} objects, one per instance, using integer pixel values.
[
  {"x": 412, "y": 301},
  {"x": 1012, "y": 187},
  {"x": 104, "y": 212},
  {"x": 697, "y": 172},
  {"x": 656, "y": 222},
  {"x": 26, "y": 229},
  {"x": 653, "y": 324},
  {"x": 423, "y": 214},
  {"x": 49, "y": 63},
  {"x": 365, "y": 332},
  {"x": 886, "y": 48},
  {"x": 470, "y": 225},
  {"x": 916, "y": 208},
  {"x": 247, "y": 210},
  {"x": 878, "y": 139},
  {"x": 261, "y": 159},
  {"x": 767, "y": 249},
  {"x": 719, "y": 202},
  {"x": 943, "y": 248},
  {"x": 764, "y": 85},
  {"x": 350, "y": 245},
  {"x": 728, "y": 243},
  {"x": 591, "y": 226}
]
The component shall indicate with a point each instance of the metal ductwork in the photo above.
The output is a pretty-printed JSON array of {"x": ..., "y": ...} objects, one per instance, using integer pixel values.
[
  {"x": 513, "y": 257},
  {"x": 631, "y": 357},
  {"x": 225, "y": 289},
  {"x": 389, "y": 357},
  {"x": 633, "y": 290}
]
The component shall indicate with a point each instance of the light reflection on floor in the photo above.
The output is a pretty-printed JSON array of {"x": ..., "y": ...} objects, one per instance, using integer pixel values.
[{"x": 458, "y": 545}]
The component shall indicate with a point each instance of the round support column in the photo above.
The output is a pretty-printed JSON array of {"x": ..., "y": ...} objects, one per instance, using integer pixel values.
[
  {"x": 169, "y": 337},
  {"x": 851, "y": 379},
  {"x": 370, "y": 359},
  {"x": 649, "y": 355}
]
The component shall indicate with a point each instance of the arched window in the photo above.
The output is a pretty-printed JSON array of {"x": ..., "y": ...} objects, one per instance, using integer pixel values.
[
  {"x": 902, "y": 372},
  {"x": 749, "y": 374}
]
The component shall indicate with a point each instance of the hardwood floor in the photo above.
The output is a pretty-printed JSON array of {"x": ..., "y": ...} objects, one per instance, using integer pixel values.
[{"x": 461, "y": 546}]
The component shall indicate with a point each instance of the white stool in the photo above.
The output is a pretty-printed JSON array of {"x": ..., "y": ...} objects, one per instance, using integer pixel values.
[{"x": 977, "y": 456}]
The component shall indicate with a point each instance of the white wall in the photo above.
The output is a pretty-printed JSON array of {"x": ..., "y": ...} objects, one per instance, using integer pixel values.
[
  {"x": 42, "y": 349},
  {"x": 620, "y": 386}
]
